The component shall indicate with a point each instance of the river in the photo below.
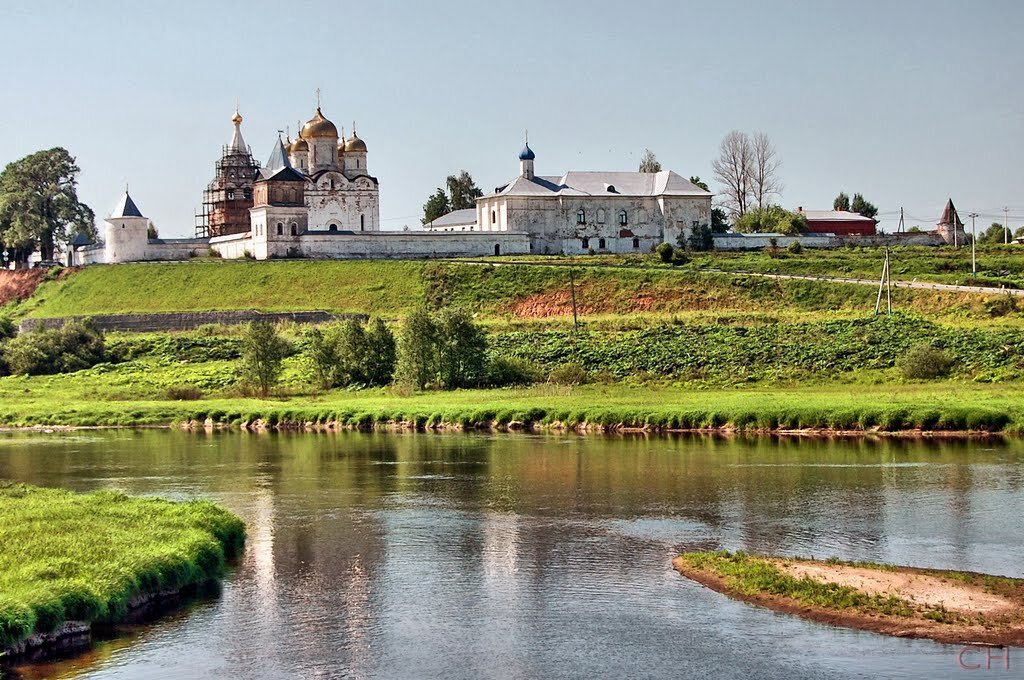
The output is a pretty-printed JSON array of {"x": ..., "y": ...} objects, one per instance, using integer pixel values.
[{"x": 534, "y": 556}]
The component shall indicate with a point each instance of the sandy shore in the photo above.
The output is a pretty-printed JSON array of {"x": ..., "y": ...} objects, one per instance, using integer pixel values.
[{"x": 949, "y": 607}]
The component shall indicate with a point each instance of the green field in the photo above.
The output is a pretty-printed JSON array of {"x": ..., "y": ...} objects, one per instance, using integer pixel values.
[
  {"x": 82, "y": 557},
  {"x": 639, "y": 287}
]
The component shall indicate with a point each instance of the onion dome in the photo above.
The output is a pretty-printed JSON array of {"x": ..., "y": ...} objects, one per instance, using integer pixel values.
[
  {"x": 318, "y": 127},
  {"x": 353, "y": 143},
  {"x": 527, "y": 153},
  {"x": 300, "y": 145},
  {"x": 237, "y": 118}
]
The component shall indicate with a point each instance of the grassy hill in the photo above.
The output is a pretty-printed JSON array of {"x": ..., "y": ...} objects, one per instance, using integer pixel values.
[{"x": 500, "y": 290}]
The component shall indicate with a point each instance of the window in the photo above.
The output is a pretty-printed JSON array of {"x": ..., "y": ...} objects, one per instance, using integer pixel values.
[
  {"x": 581, "y": 217},
  {"x": 696, "y": 223},
  {"x": 494, "y": 216},
  {"x": 333, "y": 227},
  {"x": 246, "y": 193},
  {"x": 295, "y": 229},
  {"x": 600, "y": 243},
  {"x": 362, "y": 223},
  {"x": 280, "y": 228},
  {"x": 636, "y": 243},
  {"x": 332, "y": 183},
  {"x": 231, "y": 195},
  {"x": 585, "y": 242},
  {"x": 497, "y": 249},
  {"x": 623, "y": 219}
]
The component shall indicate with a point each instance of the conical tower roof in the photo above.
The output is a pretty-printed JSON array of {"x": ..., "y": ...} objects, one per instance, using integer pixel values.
[
  {"x": 949, "y": 216},
  {"x": 278, "y": 165},
  {"x": 126, "y": 207}
]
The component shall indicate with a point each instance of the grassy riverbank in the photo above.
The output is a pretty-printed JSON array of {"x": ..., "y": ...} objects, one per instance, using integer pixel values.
[
  {"x": 84, "y": 557},
  {"x": 947, "y": 606},
  {"x": 929, "y": 407}
]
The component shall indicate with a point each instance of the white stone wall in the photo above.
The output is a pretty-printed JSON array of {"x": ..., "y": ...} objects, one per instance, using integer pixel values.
[
  {"x": 352, "y": 205},
  {"x": 761, "y": 241},
  {"x": 412, "y": 245},
  {"x": 232, "y": 246}
]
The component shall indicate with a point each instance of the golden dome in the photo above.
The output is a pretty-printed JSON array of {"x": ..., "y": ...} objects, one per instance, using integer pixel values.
[
  {"x": 299, "y": 145},
  {"x": 353, "y": 143},
  {"x": 318, "y": 127},
  {"x": 237, "y": 118}
]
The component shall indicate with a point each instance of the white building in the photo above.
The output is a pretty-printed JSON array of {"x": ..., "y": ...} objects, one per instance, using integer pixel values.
[{"x": 579, "y": 212}]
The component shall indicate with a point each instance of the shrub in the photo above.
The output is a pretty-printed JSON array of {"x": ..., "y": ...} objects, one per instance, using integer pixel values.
[
  {"x": 701, "y": 239},
  {"x": 212, "y": 252},
  {"x": 665, "y": 252},
  {"x": 795, "y": 248},
  {"x": 925, "y": 362},
  {"x": 679, "y": 257},
  {"x": 75, "y": 346},
  {"x": 381, "y": 353},
  {"x": 247, "y": 254},
  {"x": 1000, "y": 306},
  {"x": 183, "y": 393},
  {"x": 510, "y": 371},
  {"x": 568, "y": 374}
]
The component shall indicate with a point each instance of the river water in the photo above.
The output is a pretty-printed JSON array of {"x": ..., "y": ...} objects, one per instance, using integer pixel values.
[{"x": 535, "y": 556}]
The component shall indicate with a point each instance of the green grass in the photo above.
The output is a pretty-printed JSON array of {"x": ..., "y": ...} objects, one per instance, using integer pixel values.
[
  {"x": 390, "y": 288},
  {"x": 82, "y": 557},
  {"x": 751, "y": 576}
]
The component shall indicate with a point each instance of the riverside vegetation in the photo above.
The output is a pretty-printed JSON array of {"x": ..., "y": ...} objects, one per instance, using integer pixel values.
[
  {"x": 87, "y": 557},
  {"x": 656, "y": 347}
]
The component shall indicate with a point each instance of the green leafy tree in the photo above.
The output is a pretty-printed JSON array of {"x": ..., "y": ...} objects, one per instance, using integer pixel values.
[
  {"x": 461, "y": 349},
  {"x": 700, "y": 239},
  {"x": 842, "y": 202},
  {"x": 773, "y": 219},
  {"x": 263, "y": 353},
  {"x": 994, "y": 234},
  {"x": 417, "y": 350},
  {"x": 861, "y": 206},
  {"x": 39, "y": 206},
  {"x": 322, "y": 355},
  {"x": 75, "y": 346},
  {"x": 436, "y": 206},
  {"x": 351, "y": 350},
  {"x": 379, "y": 366},
  {"x": 1019, "y": 232},
  {"x": 462, "y": 191},
  {"x": 719, "y": 221},
  {"x": 649, "y": 162},
  {"x": 696, "y": 181}
]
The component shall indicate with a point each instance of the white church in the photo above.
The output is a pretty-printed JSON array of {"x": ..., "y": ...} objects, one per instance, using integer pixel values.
[{"x": 315, "y": 198}]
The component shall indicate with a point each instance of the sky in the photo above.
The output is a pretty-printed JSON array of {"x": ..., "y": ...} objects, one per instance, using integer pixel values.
[{"x": 907, "y": 102}]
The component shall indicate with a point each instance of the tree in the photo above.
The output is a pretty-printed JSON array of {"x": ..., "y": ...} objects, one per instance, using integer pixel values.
[
  {"x": 649, "y": 162},
  {"x": 733, "y": 169},
  {"x": 417, "y": 350},
  {"x": 719, "y": 221},
  {"x": 861, "y": 206},
  {"x": 461, "y": 349},
  {"x": 696, "y": 181},
  {"x": 462, "y": 191},
  {"x": 701, "y": 238},
  {"x": 263, "y": 352},
  {"x": 994, "y": 234},
  {"x": 39, "y": 206},
  {"x": 321, "y": 352},
  {"x": 764, "y": 181},
  {"x": 152, "y": 232},
  {"x": 842, "y": 202},
  {"x": 351, "y": 351},
  {"x": 773, "y": 219},
  {"x": 380, "y": 353},
  {"x": 436, "y": 206}
]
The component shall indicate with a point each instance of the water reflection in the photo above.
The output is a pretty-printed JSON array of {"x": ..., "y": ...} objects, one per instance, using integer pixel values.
[{"x": 373, "y": 555}]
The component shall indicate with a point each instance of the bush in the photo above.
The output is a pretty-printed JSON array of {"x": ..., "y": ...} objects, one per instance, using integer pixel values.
[
  {"x": 510, "y": 371},
  {"x": 183, "y": 393},
  {"x": 247, "y": 255},
  {"x": 1000, "y": 306},
  {"x": 212, "y": 252},
  {"x": 75, "y": 346},
  {"x": 795, "y": 248},
  {"x": 925, "y": 362},
  {"x": 665, "y": 252},
  {"x": 569, "y": 374}
]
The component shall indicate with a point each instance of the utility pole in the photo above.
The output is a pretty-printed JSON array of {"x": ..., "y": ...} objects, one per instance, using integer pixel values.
[
  {"x": 884, "y": 285},
  {"x": 1006, "y": 225},
  {"x": 899, "y": 230},
  {"x": 974, "y": 246}
]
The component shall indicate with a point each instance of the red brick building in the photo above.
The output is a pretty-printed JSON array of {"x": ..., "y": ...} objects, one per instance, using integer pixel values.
[{"x": 838, "y": 222}]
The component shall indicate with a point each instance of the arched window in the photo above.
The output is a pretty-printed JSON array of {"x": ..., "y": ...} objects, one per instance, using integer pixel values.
[
  {"x": 600, "y": 243},
  {"x": 362, "y": 223},
  {"x": 581, "y": 217},
  {"x": 333, "y": 227},
  {"x": 280, "y": 229},
  {"x": 585, "y": 242},
  {"x": 636, "y": 243},
  {"x": 623, "y": 220},
  {"x": 295, "y": 229}
]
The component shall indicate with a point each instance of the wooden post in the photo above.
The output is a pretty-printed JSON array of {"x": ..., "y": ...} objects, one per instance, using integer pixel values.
[
  {"x": 572, "y": 286},
  {"x": 881, "y": 284},
  {"x": 888, "y": 282}
]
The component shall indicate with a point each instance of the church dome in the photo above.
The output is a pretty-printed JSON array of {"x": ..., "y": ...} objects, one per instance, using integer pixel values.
[
  {"x": 318, "y": 127},
  {"x": 299, "y": 146},
  {"x": 353, "y": 143},
  {"x": 527, "y": 153},
  {"x": 237, "y": 118}
]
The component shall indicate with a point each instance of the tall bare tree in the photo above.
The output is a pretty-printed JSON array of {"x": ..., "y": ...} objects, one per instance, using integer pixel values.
[
  {"x": 764, "y": 181},
  {"x": 733, "y": 168}
]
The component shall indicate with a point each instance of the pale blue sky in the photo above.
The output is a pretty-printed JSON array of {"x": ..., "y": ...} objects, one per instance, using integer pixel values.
[{"x": 907, "y": 102}]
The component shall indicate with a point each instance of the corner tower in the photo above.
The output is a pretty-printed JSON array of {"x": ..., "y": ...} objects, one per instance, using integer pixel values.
[{"x": 125, "y": 232}]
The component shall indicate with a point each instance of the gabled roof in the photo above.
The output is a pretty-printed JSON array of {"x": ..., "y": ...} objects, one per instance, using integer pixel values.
[
  {"x": 278, "y": 167},
  {"x": 80, "y": 240},
  {"x": 574, "y": 183},
  {"x": 949, "y": 215},
  {"x": 126, "y": 207},
  {"x": 456, "y": 218}
]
